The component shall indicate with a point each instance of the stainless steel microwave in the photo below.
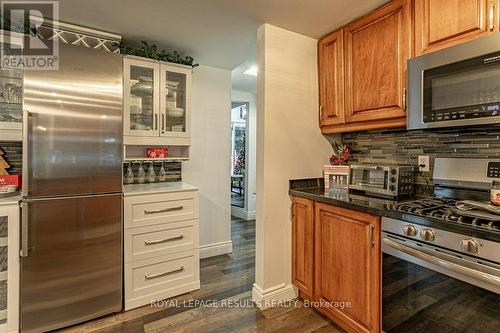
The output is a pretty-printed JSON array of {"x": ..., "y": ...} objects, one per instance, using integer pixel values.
[
  {"x": 382, "y": 180},
  {"x": 456, "y": 86}
]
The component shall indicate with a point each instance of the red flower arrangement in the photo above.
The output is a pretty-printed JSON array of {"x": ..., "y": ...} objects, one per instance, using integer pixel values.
[{"x": 341, "y": 154}]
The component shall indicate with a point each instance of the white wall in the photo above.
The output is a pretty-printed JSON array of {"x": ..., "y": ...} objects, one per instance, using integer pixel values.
[
  {"x": 289, "y": 145},
  {"x": 210, "y": 167},
  {"x": 248, "y": 212}
]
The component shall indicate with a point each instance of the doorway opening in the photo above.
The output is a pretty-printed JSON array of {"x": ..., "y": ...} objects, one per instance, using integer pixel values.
[{"x": 239, "y": 112}]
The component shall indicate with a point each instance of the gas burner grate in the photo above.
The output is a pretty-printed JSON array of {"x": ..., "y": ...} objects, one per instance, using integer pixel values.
[{"x": 444, "y": 209}]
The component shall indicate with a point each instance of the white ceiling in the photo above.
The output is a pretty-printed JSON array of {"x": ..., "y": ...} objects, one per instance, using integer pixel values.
[
  {"x": 216, "y": 32},
  {"x": 220, "y": 33}
]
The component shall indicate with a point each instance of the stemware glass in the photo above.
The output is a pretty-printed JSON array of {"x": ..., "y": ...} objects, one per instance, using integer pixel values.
[
  {"x": 130, "y": 174},
  {"x": 141, "y": 174},
  {"x": 163, "y": 174},
  {"x": 151, "y": 173}
]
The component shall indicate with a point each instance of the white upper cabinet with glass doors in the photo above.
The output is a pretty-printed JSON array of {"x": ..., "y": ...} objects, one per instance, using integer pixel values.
[
  {"x": 157, "y": 102},
  {"x": 11, "y": 88}
]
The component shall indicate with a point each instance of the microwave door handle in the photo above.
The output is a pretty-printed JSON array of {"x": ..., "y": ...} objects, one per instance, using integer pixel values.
[{"x": 443, "y": 261}]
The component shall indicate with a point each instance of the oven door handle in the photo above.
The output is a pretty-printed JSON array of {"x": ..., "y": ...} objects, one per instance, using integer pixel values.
[{"x": 446, "y": 261}]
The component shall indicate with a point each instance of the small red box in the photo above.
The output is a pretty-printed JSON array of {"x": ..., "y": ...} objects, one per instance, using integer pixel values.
[
  {"x": 157, "y": 153},
  {"x": 11, "y": 180}
]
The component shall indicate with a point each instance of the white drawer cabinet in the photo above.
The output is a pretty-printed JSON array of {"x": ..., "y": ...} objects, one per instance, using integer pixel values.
[
  {"x": 161, "y": 277},
  {"x": 164, "y": 208},
  {"x": 161, "y": 246},
  {"x": 157, "y": 240}
]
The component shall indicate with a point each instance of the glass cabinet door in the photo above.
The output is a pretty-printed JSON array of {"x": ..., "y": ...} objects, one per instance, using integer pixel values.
[
  {"x": 141, "y": 100},
  {"x": 175, "y": 103},
  {"x": 11, "y": 96}
]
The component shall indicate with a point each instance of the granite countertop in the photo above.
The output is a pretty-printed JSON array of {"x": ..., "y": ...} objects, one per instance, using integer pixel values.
[
  {"x": 141, "y": 189},
  {"x": 343, "y": 198},
  {"x": 381, "y": 207},
  {"x": 10, "y": 200}
]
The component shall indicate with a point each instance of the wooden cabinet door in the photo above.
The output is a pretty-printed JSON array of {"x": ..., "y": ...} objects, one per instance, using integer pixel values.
[
  {"x": 303, "y": 245},
  {"x": 443, "y": 23},
  {"x": 331, "y": 79},
  {"x": 347, "y": 267},
  {"x": 377, "y": 47}
]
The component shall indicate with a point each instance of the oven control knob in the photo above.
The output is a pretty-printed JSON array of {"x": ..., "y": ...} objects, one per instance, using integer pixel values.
[
  {"x": 410, "y": 230},
  {"x": 428, "y": 235},
  {"x": 392, "y": 188},
  {"x": 394, "y": 171},
  {"x": 470, "y": 246},
  {"x": 392, "y": 179}
]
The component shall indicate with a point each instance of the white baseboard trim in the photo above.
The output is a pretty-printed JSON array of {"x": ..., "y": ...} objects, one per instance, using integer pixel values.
[
  {"x": 242, "y": 214},
  {"x": 250, "y": 215},
  {"x": 216, "y": 249},
  {"x": 273, "y": 296}
]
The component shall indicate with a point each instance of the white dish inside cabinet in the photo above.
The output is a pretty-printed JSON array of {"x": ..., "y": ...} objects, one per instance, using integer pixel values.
[{"x": 11, "y": 91}]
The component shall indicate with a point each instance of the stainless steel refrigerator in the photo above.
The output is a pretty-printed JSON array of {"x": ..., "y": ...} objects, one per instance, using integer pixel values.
[{"x": 71, "y": 227}]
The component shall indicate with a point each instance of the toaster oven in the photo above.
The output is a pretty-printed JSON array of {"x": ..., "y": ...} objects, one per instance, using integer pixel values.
[{"x": 382, "y": 180}]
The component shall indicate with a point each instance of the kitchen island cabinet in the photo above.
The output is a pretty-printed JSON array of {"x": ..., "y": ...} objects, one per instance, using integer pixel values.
[{"x": 345, "y": 263}]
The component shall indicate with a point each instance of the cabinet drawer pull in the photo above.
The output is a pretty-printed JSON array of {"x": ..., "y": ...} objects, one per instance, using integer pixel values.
[
  {"x": 155, "y": 276},
  {"x": 404, "y": 99},
  {"x": 372, "y": 241},
  {"x": 159, "y": 241},
  {"x": 491, "y": 15},
  {"x": 157, "y": 211}
]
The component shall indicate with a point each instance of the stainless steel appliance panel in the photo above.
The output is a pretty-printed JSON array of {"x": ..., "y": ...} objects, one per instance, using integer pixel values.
[
  {"x": 72, "y": 271},
  {"x": 73, "y": 125},
  {"x": 469, "y": 83}
]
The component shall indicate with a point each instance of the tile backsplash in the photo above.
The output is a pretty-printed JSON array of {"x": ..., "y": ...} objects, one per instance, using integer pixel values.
[
  {"x": 403, "y": 147},
  {"x": 13, "y": 154}
]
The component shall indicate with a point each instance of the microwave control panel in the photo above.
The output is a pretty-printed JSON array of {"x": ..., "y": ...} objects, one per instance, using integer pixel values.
[{"x": 466, "y": 112}]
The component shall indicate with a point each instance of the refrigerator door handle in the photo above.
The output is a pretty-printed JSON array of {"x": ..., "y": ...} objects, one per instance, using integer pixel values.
[{"x": 24, "y": 231}]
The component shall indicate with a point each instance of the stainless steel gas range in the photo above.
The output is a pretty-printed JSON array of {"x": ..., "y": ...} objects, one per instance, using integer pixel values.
[{"x": 441, "y": 255}]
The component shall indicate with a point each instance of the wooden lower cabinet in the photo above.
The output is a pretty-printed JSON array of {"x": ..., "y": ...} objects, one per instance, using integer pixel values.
[
  {"x": 303, "y": 245},
  {"x": 343, "y": 253}
]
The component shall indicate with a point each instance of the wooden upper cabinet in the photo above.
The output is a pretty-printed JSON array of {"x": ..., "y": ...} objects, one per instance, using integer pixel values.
[
  {"x": 444, "y": 23},
  {"x": 377, "y": 47},
  {"x": 330, "y": 74},
  {"x": 348, "y": 267},
  {"x": 303, "y": 245}
]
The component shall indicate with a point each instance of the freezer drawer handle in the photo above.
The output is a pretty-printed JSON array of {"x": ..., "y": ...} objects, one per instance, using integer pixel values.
[
  {"x": 159, "y": 241},
  {"x": 155, "y": 276},
  {"x": 24, "y": 231},
  {"x": 157, "y": 211}
]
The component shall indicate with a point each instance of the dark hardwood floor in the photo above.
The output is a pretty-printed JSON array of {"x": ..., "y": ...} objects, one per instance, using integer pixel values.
[{"x": 224, "y": 302}]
